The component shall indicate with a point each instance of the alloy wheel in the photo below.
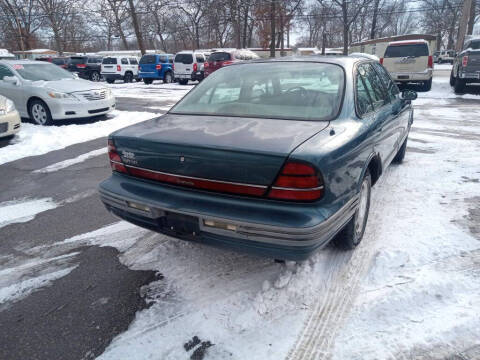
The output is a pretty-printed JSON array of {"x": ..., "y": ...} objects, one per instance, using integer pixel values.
[
  {"x": 39, "y": 114},
  {"x": 362, "y": 208}
]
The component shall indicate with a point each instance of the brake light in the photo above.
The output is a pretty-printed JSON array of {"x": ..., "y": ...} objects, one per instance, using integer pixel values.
[
  {"x": 206, "y": 65},
  {"x": 158, "y": 66},
  {"x": 381, "y": 61},
  {"x": 81, "y": 66},
  {"x": 465, "y": 61},
  {"x": 195, "y": 67},
  {"x": 119, "y": 68},
  {"x": 297, "y": 181},
  {"x": 228, "y": 62},
  {"x": 430, "y": 61},
  {"x": 115, "y": 159}
]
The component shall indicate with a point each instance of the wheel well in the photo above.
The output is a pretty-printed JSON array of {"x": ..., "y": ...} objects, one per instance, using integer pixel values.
[
  {"x": 375, "y": 168},
  {"x": 30, "y": 101},
  {"x": 128, "y": 72}
]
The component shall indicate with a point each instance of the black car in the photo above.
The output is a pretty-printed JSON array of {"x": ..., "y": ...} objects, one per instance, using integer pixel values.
[{"x": 87, "y": 67}]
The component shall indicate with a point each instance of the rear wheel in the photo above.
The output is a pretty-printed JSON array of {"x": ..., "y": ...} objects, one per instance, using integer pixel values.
[
  {"x": 110, "y": 81},
  {"x": 39, "y": 112},
  {"x": 147, "y": 81},
  {"x": 168, "y": 77},
  {"x": 459, "y": 86},
  {"x": 183, "y": 81},
  {"x": 128, "y": 77},
  {"x": 351, "y": 235},
  {"x": 427, "y": 85},
  {"x": 95, "y": 76}
]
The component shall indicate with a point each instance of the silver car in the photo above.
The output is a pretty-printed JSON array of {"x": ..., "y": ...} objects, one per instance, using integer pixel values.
[{"x": 45, "y": 92}]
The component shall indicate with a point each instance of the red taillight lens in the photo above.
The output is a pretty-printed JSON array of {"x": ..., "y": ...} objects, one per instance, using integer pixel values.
[
  {"x": 228, "y": 62},
  {"x": 158, "y": 66},
  {"x": 430, "y": 61},
  {"x": 381, "y": 61},
  {"x": 206, "y": 65},
  {"x": 195, "y": 67},
  {"x": 465, "y": 61},
  {"x": 297, "y": 181},
  {"x": 119, "y": 68},
  {"x": 81, "y": 66},
  {"x": 115, "y": 159}
]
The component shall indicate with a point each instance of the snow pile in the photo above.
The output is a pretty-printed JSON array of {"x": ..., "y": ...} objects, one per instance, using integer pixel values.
[
  {"x": 23, "y": 211},
  {"x": 69, "y": 162},
  {"x": 37, "y": 140}
]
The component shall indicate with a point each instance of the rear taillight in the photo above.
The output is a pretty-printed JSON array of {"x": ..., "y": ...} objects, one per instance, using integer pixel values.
[
  {"x": 228, "y": 62},
  {"x": 158, "y": 66},
  {"x": 115, "y": 159},
  {"x": 430, "y": 61},
  {"x": 81, "y": 66},
  {"x": 381, "y": 61},
  {"x": 206, "y": 65},
  {"x": 195, "y": 67},
  {"x": 297, "y": 181},
  {"x": 119, "y": 68},
  {"x": 465, "y": 61}
]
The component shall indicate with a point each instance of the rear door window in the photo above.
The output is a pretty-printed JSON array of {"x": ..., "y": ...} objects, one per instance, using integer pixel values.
[
  {"x": 415, "y": 50},
  {"x": 199, "y": 58},
  {"x": 373, "y": 85},
  {"x": 220, "y": 56},
  {"x": 184, "y": 58},
  {"x": 109, "y": 61},
  {"x": 78, "y": 60},
  {"x": 163, "y": 59},
  {"x": 124, "y": 61},
  {"x": 148, "y": 59}
]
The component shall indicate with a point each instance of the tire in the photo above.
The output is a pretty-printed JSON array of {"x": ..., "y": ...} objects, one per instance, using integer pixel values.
[
  {"x": 183, "y": 81},
  {"x": 39, "y": 112},
  {"x": 452, "y": 79},
  {"x": 440, "y": 61},
  {"x": 6, "y": 139},
  {"x": 168, "y": 77},
  {"x": 352, "y": 234},
  {"x": 147, "y": 81},
  {"x": 95, "y": 76},
  {"x": 459, "y": 85},
  {"x": 398, "y": 159},
  {"x": 128, "y": 77},
  {"x": 427, "y": 85},
  {"x": 110, "y": 81}
]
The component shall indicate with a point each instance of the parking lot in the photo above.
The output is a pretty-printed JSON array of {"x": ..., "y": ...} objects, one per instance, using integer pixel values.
[{"x": 76, "y": 279}]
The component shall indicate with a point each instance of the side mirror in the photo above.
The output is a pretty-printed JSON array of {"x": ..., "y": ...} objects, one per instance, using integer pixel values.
[
  {"x": 11, "y": 80},
  {"x": 409, "y": 95}
]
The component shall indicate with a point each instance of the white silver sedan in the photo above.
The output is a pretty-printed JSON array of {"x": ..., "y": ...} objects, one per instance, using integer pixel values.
[
  {"x": 9, "y": 118},
  {"x": 45, "y": 92}
]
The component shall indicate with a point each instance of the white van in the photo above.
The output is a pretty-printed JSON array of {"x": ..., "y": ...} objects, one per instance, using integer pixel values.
[
  {"x": 409, "y": 62},
  {"x": 189, "y": 65},
  {"x": 119, "y": 68}
]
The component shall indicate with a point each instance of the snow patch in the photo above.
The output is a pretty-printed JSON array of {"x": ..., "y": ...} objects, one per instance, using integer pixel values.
[
  {"x": 23, "y": 211},
  {"x": 69, "y": 162}
]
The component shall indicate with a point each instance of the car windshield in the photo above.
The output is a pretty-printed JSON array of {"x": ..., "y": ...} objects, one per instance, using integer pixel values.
[
  {"x": 414, "y": 50},
  {"x": 46, "y": 72},
  {"x": 283, "y": 90},
  {"x": 219, "y": 56},
  {"x": 184, "y": 58}
]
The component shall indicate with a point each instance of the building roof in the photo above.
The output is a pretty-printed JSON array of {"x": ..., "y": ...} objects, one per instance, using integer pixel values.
[
  {"x": 427, "y": 37},
  {"x": 36, "y": 51}
]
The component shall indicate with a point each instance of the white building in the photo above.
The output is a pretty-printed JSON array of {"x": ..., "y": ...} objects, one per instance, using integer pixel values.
[{"x": 136, "y": 53}]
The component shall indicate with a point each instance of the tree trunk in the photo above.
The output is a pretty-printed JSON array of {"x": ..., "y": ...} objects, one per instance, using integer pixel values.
[
  {"x": 272, "y": 29},
  {"x": 471, "y": 21},
  {"x": 374, "y": 19},
  {"x": 136, "y": 27},
  {"x": 345, "y": 27}
]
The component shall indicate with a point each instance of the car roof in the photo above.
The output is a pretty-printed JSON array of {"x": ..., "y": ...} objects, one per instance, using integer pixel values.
[
  {"x": 22, "y": 62},
  {"x": 342, "y": 60}
]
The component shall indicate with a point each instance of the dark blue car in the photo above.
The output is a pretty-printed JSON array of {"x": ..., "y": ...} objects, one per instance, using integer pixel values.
[
  {"x": 156, "y": 67},
  {"x": 275, "y": 157}
]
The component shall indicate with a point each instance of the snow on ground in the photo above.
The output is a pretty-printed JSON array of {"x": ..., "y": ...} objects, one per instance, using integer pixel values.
[
  {"x": 69, "y": 162},
  {"x": 37, "y": 140},
  {"x": 156, "y": 90},
  {"x": 23, "y": 211}
]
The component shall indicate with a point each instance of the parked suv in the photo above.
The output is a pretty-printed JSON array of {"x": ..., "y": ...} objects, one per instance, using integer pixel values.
[
  {"x": 466, "y": 66},
  {"x": 189, "y": 65},
  {"x": 86, "y": 67},
  {"x": 61, "y": 61},
  {"x": 120, "y": 68},
  {"x": 221, "y": 58},
  {"x": 409, "y": 62},
  {"x": 156, "y": 67},
  {"x": 446, "y": 56}
]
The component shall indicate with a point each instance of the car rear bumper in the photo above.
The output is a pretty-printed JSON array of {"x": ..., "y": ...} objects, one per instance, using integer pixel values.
[
  {"x": 114, "y": 76},
  {"x": 194, "y": 76},
  {"x": 267, "y": 228},
  {"x": 81, "y": 109},
  {"x": 412, "y": 76},
  {"x": 149, "y": 75},
  {"x": 9, "y": 124}
]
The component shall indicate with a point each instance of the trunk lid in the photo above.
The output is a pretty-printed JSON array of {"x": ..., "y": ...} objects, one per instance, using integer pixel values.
[
  {"x": 406, "y": 57},
  {"x": 240, "y": 150},
  {"x": 148, "y": 64},
  {"x": 216, "y": 60},
  {"x": 183, "y": 64}
]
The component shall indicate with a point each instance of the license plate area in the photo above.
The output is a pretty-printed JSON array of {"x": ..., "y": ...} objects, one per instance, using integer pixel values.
[
  {"x": 403, "y": 77},
  {"x": 179, "y": 224},
  {"x": 3, "y": 127}
]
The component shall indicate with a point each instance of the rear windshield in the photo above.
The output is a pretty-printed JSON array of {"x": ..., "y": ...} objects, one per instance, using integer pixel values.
[
  {"x": 109, "y": 60},
  {"x": 58, "y": 61},
  {"x": 184, "y": 58},
  {"x": 78, "y": 60},
  {"x": 284, "y": 90},
  {"x": 414, "y": 50},
  {"x": 148, "y": 59},
  {"x": 475, "y": 45},
  {"x": 220, "y": 56}
]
